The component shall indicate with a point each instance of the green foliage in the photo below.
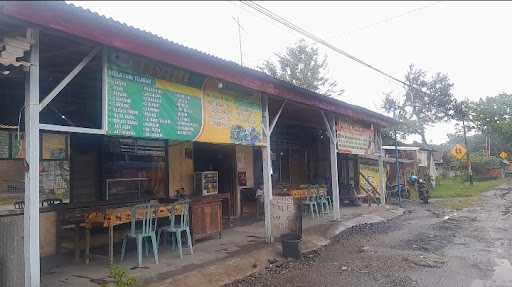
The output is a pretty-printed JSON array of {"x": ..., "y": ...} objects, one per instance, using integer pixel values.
[
  {"x": 481, "y": 164},
  {"x": 426, "y": 101},
  {"x": 303, "y": 66},
  {"x": 458, "y": 187},
  {"x": 493, "y": 116},
  {"x": 121, "y": 278}
]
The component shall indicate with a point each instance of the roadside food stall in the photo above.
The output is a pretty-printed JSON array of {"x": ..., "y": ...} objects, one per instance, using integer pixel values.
[
  {"x": 300, "y": 156},
  {"x": 358, "y": 161},
  {"x": 171, "y": 136},
  {"x": 98, "y": 117}
]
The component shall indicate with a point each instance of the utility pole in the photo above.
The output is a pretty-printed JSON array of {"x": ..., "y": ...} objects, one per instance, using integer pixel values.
[
  {"x": 237, "y": 21},
  {"x": 468, "y": 159},
  {"x": 489, "y": 149},
  {"x": 397, "y": 162}
]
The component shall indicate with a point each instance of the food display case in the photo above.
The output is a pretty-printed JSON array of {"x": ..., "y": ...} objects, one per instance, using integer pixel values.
[{"x": 206, "y": 183}]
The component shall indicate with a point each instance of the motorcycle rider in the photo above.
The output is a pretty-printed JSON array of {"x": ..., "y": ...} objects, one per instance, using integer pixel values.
[{"x": 421, "y": 187}]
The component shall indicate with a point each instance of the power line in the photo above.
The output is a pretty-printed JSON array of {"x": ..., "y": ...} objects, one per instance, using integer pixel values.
[
  {"x": 317, "y": 39},
  {"x": 391, "y": 18}
]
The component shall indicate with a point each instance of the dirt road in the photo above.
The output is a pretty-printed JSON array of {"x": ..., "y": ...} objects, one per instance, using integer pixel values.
[{"x": 426, "y": 246}]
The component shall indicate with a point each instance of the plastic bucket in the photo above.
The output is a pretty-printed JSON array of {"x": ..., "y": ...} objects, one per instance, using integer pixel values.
[{"x": 290, "y": 245}]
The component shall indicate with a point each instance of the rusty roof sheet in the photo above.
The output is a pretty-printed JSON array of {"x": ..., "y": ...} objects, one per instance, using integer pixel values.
[{"x": 90, "y": 25}]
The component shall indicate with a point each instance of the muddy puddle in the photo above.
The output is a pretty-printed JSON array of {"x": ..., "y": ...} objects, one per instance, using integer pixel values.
[{"x": 502, "y": 275}]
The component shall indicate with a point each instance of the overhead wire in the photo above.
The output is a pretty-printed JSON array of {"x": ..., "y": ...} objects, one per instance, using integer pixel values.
[
  {"x": 391, "y": 18},
  {"x": 319, "y": 40}
]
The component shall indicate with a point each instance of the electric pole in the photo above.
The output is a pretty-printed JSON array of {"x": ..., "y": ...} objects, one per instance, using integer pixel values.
[
  {"x": 237, "y": 21},
  {"x": 397, "y": 162},
  {"x": 468, "y": 159}
]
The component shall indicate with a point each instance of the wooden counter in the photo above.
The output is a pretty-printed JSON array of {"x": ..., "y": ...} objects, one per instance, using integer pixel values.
[{"x": 206, "y": 214}]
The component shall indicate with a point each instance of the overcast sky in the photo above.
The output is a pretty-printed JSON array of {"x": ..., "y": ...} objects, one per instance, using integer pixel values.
[{"x": 469, "y": 41}]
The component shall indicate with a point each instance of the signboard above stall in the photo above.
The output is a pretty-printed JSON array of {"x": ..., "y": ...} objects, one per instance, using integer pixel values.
[
  {"x": 231, "y": 116},
  {"x": 141, "y": 105},
  {"x": 353, "y": 137},
  {"x": 151, "y": 100}
]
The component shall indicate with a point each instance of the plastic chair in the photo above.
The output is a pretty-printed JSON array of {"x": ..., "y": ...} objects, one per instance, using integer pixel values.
[
  {"x": 181, "y": 210},
  {"x": 330, "y": 201},
  {"x": 20, "y": 204},
  {"x": 50, "y": 202},
  {"x": 310, "y": 203},
  {"x": 141, "y": 229},
  {"x": 322, "y": 200}
]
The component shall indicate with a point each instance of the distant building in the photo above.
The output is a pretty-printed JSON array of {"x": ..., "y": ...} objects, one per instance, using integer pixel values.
[{"x": 420, "y": 160}]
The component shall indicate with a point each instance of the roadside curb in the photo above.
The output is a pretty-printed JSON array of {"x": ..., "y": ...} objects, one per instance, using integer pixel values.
[
  {"x": 315, "y": 241},
  {"x": 230, "y": 269}
]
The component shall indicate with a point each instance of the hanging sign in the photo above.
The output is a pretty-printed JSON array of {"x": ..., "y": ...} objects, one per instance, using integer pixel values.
[
  {"x": 231, "y": 117},
  {"x": 140, "y": 105},
  {"x": 54, "y": 146},
  {"x": 458, "y": 151},
  {"x": 353, "y": 138},
  {"x": 146, "y": 99}
]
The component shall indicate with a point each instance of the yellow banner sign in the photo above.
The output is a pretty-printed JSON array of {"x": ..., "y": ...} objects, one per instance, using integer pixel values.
[
  {"x": 231, "y": 117},
  {"x": 371, "y": 173}
]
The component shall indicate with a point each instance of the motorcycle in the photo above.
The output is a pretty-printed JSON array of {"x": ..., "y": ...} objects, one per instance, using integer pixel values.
[
  {"x": 421, "y": 187},
  {"x": 392, "y": 192}
]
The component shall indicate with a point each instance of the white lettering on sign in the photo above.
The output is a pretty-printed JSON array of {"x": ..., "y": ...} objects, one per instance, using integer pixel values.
[{"x": 284, "y": 215}]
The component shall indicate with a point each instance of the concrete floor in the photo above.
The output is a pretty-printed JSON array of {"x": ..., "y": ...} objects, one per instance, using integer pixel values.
[{"x": 235, "y": 242}]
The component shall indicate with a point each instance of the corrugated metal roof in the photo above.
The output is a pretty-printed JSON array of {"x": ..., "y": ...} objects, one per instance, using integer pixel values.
[
  {"x": 401, "y": 147},
  {"x": 105, "y": 30}
]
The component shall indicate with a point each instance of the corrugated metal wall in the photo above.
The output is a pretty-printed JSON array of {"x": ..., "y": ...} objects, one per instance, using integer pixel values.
[{"x": 11, "y": 251}]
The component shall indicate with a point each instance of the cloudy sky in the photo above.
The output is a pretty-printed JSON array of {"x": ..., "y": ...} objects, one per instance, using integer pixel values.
[{"x": 469, "y": 41}]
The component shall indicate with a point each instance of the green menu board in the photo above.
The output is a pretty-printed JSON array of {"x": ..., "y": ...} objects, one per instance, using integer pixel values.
[{"x": 139, "y": 105}]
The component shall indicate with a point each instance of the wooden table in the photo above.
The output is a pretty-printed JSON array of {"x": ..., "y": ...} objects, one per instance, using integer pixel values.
[
  {"x": 118, "y": 216},
  {"x": 304, "y": 192}
]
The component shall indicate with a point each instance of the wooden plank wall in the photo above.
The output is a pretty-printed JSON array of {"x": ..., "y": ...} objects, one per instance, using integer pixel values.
[{"x": 181, "y": 168}]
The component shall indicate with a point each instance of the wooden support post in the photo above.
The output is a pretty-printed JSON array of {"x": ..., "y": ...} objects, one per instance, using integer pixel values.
[
  {"x": 334, "y": 172},
  {"x": 31, "y": 215},
  {"x": 382, "y": 173},
  {"x": 104, "y": 84},
  {"x": 267, "y": 172},
  {"x": 330, "y": 125}
]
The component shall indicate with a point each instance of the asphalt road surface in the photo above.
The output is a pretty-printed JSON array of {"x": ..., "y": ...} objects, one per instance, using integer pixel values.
[{"x": 427, "y": 246}]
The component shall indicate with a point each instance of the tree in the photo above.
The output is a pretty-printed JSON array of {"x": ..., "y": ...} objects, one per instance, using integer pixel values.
[
  {"x": 492, "y": 117},
  {"x": 489, "y": 119},
  {"x": 303, "y": 66},
  {"x": 426, "y": 101}
]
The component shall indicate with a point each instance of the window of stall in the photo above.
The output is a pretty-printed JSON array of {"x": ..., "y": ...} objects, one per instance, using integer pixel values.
[{"x": 134, "y": 169}]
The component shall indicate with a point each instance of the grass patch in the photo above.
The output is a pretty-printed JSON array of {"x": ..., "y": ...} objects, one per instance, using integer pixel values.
[
  {"x": 457, "y": 203},
  {"x": 457, "y": 187},
  {"x": 458, "y": 194}
]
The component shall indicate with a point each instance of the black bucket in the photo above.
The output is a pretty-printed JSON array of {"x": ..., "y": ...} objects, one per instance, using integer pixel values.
[{"x": 290, "y": 245}]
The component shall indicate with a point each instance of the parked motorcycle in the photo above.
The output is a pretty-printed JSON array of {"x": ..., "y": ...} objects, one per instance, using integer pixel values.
[
  {"x": 392, "y": 192},
  {"x": 421, "y": 187}
]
